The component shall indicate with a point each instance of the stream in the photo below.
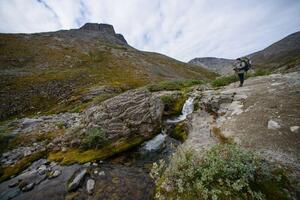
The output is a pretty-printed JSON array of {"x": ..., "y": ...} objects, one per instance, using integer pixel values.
[{"x": 123, "y": 176}]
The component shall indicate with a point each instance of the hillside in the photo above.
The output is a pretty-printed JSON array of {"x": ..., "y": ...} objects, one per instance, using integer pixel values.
[
  {"x": 219, "y": 65},
  {"x": 283, "y": 56},
  {"x": 60, "y": 70}
]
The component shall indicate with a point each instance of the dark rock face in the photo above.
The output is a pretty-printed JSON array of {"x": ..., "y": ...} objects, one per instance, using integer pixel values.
[
  {"x": 136, "y": 112},
  {"x": 105, "y": 28},
  {"x": 219, "y": 65}
]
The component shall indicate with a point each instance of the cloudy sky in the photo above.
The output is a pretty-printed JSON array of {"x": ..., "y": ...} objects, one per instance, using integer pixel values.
[{"x": 182, "y": 29}]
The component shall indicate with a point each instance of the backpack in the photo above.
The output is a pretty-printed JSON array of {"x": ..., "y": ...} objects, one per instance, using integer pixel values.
[{"x": 247, "y": 64}]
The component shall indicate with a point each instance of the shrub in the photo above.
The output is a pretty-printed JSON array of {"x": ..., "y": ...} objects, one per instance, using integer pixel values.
[
  {"x": 94, "y": 138},
  {"x": 173, "y": 85},
  {"x": 223, "y": 172},
  {"x": 224, "y": 80}
]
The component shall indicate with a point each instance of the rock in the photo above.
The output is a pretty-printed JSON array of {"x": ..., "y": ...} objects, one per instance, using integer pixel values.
[
  {"x": 28, "y": 122},
  {"x": 95, "y": 164},
  {"x": 42, "y": 169},
  {"x": 294, "y": 129},
  {"x": 136, "y": 112},
  {"x": 273, "y": 125},
  {"x": 14, "y": 184},
  {"x": 90, "y": 184},
  {"x": 102, "y": 173},
  {"x": 10, "y": 194},
  {"x": 64, "y": 149},
  {"x": 74, "y": 184},
  {"x": 28, "y": 187},
  {"x": 27, "y": 152},
  {"x": 54, "y": 174}
]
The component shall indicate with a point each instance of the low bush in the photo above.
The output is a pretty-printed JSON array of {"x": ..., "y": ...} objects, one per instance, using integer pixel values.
[
  {"x": 94, "y": 138},
  {"x": 223, "y": 172},
  {"x": 173, "y": 85},
  {"x": 173, "y": 104}
]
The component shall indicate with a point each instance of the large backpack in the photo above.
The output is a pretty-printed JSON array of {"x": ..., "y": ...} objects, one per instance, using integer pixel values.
[{"x": 247, "y": 63}]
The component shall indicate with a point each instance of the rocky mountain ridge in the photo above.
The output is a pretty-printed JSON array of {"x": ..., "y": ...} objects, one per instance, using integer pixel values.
[{"x": 283, "y": 55}]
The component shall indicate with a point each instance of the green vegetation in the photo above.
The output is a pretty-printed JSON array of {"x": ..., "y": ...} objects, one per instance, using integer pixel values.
[
  {"x": 173, "y": 103},
  {"x": 7, "y": 172},
  {"x": 94, "y": 138},
  {"x": 5, "y": 138},
  {"x": 82, "y": 156},
  {"x": 173, "y": 85},
  {"x": 226, "y": 80},
  {"x": 223, "y": 172},
  {"x": 179, "y": 132}
]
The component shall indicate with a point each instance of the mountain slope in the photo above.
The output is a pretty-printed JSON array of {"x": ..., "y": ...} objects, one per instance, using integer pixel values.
[
  {"x": 219, "y": 65},
  {"x": 38, "y": 71},
  {"x": 282, "y": 55}
]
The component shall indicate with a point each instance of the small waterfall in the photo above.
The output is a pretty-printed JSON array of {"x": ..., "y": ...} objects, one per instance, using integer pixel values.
[
  {"x": 155, "y": 143},
  {"x": 187, "y": 109}
]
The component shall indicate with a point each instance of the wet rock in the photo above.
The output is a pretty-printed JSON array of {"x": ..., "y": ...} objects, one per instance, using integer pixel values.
[
  {"x": 42, "y": 169},
  {"x": 10, "y": 194},
  {"x": 74, "y": 184},
  {"x": 273, "y": 125},
  {"x": 28, "y": 187},
  {"x": 54, "y": 174},
  {"x": 90, "y": 184},
  {"x": 294, "y": 129},
  {"x": 14, "y": 184}
]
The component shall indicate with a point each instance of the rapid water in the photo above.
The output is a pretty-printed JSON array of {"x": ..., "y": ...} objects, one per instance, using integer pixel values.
[
  {"x": 155, "y": 143},
  {"x": 187, "y": 109}
]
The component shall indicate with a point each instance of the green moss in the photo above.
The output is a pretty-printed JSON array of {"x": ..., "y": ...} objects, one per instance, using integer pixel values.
[
  {"x": 179, "y": 132},
  {"x": 21, "y": 165},
  {"x": 83, "y": 156},
  {"x": 173, "y": 104},
  {"x": 5, "y": 139}
]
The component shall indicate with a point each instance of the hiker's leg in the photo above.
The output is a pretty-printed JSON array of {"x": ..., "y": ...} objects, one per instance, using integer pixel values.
[{"x": 241, "y": 76}]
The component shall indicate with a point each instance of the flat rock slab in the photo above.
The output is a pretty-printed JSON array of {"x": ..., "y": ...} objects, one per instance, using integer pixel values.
[{"x": 269, "y": 107}]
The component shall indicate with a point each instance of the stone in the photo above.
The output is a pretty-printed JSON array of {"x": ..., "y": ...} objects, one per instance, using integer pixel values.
[
  {"x": 14, "y": 184},
  {"x": 95, "y": 164},
  {"x": 294, "y": 129},
  {"x": 273, "y": 125},
  {"x": 135, "y": 112},
  {"x": 42, "y": 169},
  {"x": 90, "y": 184},
  {"x": 64, "y": 149},
  {"x": 28, "y": 187},
  {"x": 74, "y": 184},
  {"x": 54, "y": 174},
  {"x": 102, "y": 173}
]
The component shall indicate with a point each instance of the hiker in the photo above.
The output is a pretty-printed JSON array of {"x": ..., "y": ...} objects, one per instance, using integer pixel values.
[{"x": 241, "y": 67}]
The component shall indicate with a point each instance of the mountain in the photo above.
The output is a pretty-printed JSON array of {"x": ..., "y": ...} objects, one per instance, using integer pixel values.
[
  {"x": 283, "y": 55},
  {"x": 219, "y": 65},
  {"x": 43, "y": 71}
]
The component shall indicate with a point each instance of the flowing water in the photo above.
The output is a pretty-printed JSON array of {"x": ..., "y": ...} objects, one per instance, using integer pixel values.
[
  {"x": 187, "y": 109},
  {"x": 123, "y": 176}
]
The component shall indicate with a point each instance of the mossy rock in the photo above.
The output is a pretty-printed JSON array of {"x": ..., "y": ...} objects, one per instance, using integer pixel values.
[
  {"x": 7, "y": 172},
  {"x": 82, "y": 156},
  {"x": 180, "y": 132},
  {"x": 173, "y": 104}
]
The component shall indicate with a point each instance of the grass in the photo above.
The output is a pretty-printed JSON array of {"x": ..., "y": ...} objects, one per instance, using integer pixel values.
[
  {"x": 179, "y": 132},
  {"x": 222, "y": 172},
  {"x": 173, "y": 85},
  {"x": 226, "y": 80}
]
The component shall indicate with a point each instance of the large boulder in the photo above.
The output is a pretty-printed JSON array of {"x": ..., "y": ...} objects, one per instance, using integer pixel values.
[{"x": 136, "y": 112}]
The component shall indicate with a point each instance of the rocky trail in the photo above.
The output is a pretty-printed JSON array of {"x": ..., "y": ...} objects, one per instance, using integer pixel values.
[{"x": 262, "y": 116}]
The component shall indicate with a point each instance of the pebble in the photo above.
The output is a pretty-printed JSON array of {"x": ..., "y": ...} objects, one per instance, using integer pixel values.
[
  {"x": 102, "y": 173},
  {"x": 273, "y": 125},
  {"x": 28, "y": 187},
  {"x": 55, "y": 174},
  {"x": 294, "y": 129},
  {"x": 90, "y": 184}
]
